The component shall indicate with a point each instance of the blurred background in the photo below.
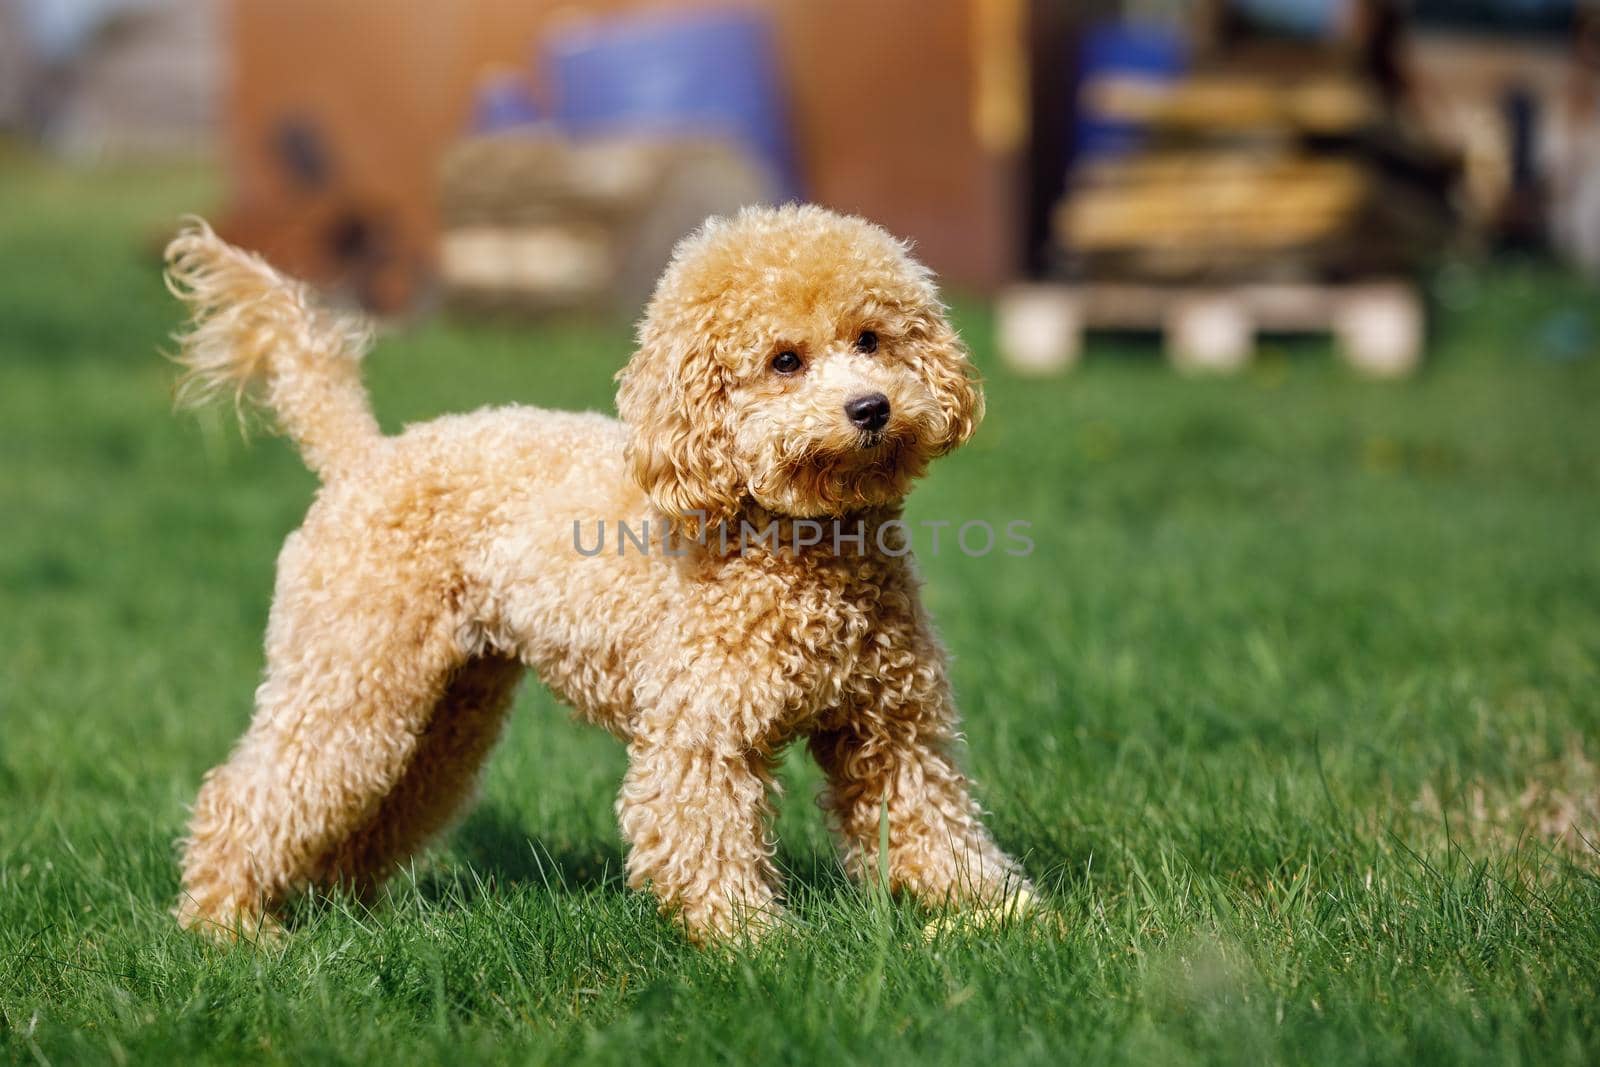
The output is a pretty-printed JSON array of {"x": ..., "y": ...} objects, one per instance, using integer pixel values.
[
  {"x": 1293, "y": 710},
  {"x": 1204, "y": 170}
]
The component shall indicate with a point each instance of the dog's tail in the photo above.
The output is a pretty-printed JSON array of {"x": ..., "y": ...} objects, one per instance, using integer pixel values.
[{"x": 261, "y": 337}]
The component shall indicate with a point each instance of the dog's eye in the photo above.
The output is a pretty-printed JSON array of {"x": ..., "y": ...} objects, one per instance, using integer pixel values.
[
  {"x": 787, "y": 362},
  {"x": 867, "y": 342}
]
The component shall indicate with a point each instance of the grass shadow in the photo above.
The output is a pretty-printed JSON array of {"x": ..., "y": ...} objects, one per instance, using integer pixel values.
[{"x": 499, "y": 849}]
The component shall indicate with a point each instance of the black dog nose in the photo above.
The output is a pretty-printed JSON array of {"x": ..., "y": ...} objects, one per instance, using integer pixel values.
[{"x": 870, "y": 412}]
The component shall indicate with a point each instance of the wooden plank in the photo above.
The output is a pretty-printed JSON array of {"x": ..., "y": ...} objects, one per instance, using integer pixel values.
[{"x": 1379, "y": 324}]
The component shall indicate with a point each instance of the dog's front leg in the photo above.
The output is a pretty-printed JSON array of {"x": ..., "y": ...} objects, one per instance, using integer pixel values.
[
  {"x": 888, "y": 756},
  {"x": 694, "y": 809},
  {"x": 902, "y": 773}
]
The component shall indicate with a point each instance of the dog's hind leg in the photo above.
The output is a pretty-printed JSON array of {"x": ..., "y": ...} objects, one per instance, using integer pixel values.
[
  {"x": 439, "y": 781},
  {"x": 352, "y": 683}
]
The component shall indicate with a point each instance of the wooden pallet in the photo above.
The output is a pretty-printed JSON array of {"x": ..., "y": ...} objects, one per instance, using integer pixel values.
[{"x": 1378, "y": 324}]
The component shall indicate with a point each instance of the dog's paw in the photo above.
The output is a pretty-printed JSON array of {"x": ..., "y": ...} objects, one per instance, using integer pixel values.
[
  {"x": 261, "y": 930},
  {"x": 229, "y": 925},
  {"x": 734, "y": 926},
  {"x": 1021, "y": 907}
]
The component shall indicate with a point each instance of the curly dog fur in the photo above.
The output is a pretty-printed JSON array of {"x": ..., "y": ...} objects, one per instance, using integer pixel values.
[{"x": 436, "y": 565}]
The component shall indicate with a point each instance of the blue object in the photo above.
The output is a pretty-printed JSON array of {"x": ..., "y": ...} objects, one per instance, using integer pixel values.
[
  {"x": 503, "y": 102},
  {"x": 698, "y": 74},
  {"x": 1148, "y": 53}
]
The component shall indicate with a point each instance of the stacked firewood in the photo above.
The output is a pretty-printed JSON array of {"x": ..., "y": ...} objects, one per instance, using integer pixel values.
[
  {"x": 535, "y": 222},
  {"x": 1255, "y": 176}
]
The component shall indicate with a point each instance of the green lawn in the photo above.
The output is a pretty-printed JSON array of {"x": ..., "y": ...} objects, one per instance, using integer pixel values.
[{"x": 1291, "y": 712}]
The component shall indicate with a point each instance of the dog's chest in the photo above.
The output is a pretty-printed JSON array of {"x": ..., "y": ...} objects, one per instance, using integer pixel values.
[{"x": 806, "y": 625}]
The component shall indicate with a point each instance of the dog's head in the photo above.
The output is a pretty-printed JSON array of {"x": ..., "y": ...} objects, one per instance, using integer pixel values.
[{"x": 795, "y": 357}]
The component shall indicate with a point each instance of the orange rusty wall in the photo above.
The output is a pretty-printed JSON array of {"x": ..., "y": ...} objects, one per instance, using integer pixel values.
[
  {"x": 880, "y": 90},
  {"x": 387, "y": 85},
  {"x": 883, "y": 95}
]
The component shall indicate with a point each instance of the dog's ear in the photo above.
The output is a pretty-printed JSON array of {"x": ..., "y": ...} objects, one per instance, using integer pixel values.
[
  {"x": 942, "y": 360},
  {"x": 673, "y": 399}
]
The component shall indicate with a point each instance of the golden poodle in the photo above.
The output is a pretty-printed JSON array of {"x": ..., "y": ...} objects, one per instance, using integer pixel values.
[{"x": 793, "y": 365}]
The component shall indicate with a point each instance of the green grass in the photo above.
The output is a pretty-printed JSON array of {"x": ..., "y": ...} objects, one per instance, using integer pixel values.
[{"x": 1273, "y": 712}]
